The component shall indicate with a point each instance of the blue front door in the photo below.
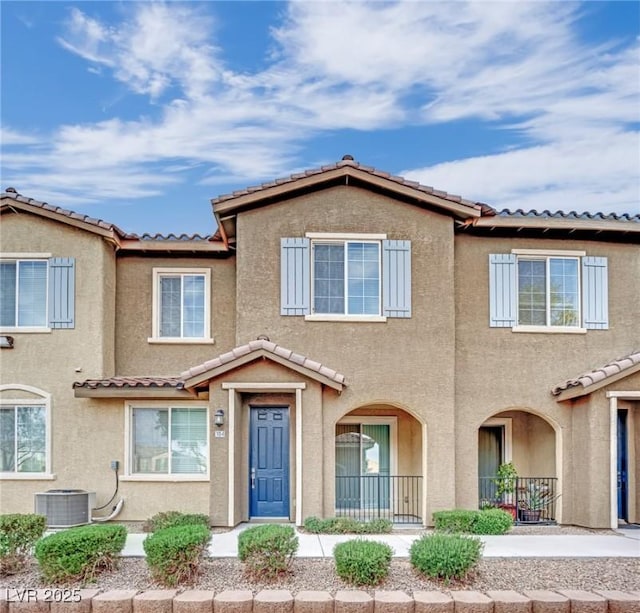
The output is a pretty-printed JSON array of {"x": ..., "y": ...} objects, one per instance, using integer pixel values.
[
  {"x": 269, "y": 462},
  {"x": 623, "y": 466}
]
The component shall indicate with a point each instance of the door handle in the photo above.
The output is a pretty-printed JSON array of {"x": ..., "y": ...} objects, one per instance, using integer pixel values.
[{"x": 253, "y": 478}]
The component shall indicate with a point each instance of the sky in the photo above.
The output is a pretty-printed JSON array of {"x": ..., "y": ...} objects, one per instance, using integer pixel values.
[{"x": 140, "y": 112}]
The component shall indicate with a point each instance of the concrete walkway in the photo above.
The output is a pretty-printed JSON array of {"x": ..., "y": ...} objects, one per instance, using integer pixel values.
[{"x": 622, "y": 543}]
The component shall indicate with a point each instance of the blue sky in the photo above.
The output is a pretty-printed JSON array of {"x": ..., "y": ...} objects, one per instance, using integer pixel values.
[{"x": 140, "y": 112}]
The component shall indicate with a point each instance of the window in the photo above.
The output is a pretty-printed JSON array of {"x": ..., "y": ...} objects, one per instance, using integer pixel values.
[
  {"x": 24, "y": 433},
  {"x": 346, "y": 278},
  {"x": 359, "y": 277},
  {"x": 561, "y": 291},
  {"x": 548, "y": 292},
  {"x": 181, "y": 305},
  {"x": 37, "y": 292},
  {"x": 23, "y": 295},
  {"x": 169, "y": 441}
]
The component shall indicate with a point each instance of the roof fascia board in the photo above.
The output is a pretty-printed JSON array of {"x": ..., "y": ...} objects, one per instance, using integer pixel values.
[
  {"x": 495, "y": 221},
  {"x": 178, "y": 246},
  {"x": 458, "y": 209},
  {"x": 251, "y": 357},
  {"x": 70, "y": 221},
  {"x": 582, "y": 390}
]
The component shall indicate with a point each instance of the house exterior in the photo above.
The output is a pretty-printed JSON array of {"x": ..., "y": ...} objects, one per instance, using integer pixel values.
[{"x": 348, "y": 342}]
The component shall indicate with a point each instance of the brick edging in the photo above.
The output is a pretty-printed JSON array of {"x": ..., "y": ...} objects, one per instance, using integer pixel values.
[{"x": 344, "y": 601}]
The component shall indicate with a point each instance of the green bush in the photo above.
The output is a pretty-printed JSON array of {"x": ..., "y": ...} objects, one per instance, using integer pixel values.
[
  {"x": 463, "y": 521},
  {"x": 347, "y": 525},
  {"x": 361, "y": 562},
  {"x": 455, "y": 521},
  {"x": 171, "y": 519},
  {"x": 80, "y": 553},
  {"x": 493, "y": 521},
  {"x": 18, "y": 535},
  {"x": 445, "y": 556},
  {"x": 267, "y": 550},
  {"x": 174, "y": 554}
]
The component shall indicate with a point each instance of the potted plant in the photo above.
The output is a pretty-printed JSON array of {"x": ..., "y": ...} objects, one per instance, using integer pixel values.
[
  {"x": 533, "y": 501},
  {"x": 506, "y": 481}
]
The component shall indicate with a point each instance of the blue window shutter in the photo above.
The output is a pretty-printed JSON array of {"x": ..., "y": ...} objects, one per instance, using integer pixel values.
[
  {"x": 62, "y": 289},
  {"x": 503, "y": 292},
  {"x": 595, "y": 293},
  {"x": 396, "y": 278},
  {"x": 294, "y": 276}
]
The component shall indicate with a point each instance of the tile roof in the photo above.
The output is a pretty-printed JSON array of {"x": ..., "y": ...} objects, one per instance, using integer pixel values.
[
  {"x": 546, "y": 214},
  {"x": 261, "y": 347},
  {"x": 129, "y": 382},
  {"x": 348, "y": 161},
  {"x": 599, "y": 376}
]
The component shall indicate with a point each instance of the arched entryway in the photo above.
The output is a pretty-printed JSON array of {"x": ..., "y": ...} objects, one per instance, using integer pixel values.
[
  {"x": 518, "y": 465},
  {"x": 378, "y": 465}
]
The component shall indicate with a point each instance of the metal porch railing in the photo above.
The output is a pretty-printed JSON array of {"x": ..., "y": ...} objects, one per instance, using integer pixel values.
[{"x": 366, "y": 497}]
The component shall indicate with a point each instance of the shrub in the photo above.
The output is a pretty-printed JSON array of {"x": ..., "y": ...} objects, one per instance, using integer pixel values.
[
  {"x": 80, "y": 553},
  {"x": 171, "y": 519},
  {"x": 361, "y": 562},
  {"x": 493, "y": 521},
  {"x": 267, "y": 550},
  {"x": 347, "y": 525},
  {"x": 457, "y": 520},
  {"x": 445, "y": 556},
  {"x": 174, "y": 554},
  {"x": 18, "y": 535}
]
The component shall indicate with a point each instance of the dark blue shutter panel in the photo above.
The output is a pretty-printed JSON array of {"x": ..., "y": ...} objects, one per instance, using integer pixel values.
[
  {"x": 503, "y": 294},
  {"x": 62, "y": 288},
  {"x": 595, "y": 293},
  {"x": 396, "y": 278},
  {"x": 294, "y": 276}
]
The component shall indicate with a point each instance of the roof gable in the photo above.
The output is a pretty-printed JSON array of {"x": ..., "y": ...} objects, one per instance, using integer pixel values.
[
  {"x": 597, "y": 378},
  {"x": 261, "y": 348}
]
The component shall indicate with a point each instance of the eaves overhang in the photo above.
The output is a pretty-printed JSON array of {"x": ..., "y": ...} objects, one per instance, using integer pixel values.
[
  {"x": 134, "y": 387},
  {"x": 595, "y": 379}
]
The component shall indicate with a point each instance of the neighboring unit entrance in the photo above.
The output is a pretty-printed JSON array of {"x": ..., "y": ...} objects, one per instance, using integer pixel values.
[
  {"x": 269, "y": 462},
  {"x": 623, "y": 468}
]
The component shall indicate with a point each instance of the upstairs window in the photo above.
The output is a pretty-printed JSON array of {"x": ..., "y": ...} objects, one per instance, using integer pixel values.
[
  {"x": 36, "y": 294},
  {"x": 181, "y": 305},
  {"x": 355, "y": 277},
  {"x": 23, "y": 295},
  {"x": 562, "y": 291},
  {"x": 346, "y": 278}
]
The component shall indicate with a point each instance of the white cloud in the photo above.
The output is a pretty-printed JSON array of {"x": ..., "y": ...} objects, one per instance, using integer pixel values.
[{"x": 365, "y": 66}]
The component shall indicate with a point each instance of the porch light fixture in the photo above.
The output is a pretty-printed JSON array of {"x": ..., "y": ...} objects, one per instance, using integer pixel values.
[{"x": 218, "y": 420}]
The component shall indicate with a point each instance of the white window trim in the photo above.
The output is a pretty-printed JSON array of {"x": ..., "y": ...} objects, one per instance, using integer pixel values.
[
  {"x": 206, "y": 339},
  {"x": 44, "y": 399},
  {"x": 546, "y": 256},
  {"x": 28, "y": 257},
  {"x": 354, "y": 238},
  {"x": 128, "y": 442}
]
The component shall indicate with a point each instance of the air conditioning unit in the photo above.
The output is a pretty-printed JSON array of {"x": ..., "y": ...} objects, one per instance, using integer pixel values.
[{"x": 65, "y": 508}]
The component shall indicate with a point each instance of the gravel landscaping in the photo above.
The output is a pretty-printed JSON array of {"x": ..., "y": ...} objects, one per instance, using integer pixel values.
[{"x": 319, "y": 574}]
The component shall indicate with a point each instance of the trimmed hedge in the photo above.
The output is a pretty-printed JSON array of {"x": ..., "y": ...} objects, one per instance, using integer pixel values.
[
  {"x": 445, "y": 556},
  {"x": 80, "y": 553},
  {"x": 347, "y": 525},
  {"x": 171, "y": 519},
  {"x": 267, "y": 550},
  {"x": 361, "y": 562},
  {"x": 174, "y": 554},
  {"x": 464, "y": 521},
  {"x": 18, "y": 534}
]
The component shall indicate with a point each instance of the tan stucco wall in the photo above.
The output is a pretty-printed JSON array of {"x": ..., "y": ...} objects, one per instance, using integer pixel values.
[
  {"x": 406, "y": 363},
  {"x": 53, "y": 361},
  {"x": 498, "y": 369},
  {"x": 134, "y": 354}
]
